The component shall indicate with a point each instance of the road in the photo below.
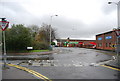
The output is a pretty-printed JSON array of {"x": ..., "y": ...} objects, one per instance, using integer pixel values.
[{"x": 74, "y": 63}]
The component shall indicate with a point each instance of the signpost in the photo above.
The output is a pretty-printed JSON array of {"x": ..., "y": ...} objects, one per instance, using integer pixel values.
[{"x": 3, "y": 25}]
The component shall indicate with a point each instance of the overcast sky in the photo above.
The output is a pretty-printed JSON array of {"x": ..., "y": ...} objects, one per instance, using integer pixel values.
[{"x": 80, "y": 19}]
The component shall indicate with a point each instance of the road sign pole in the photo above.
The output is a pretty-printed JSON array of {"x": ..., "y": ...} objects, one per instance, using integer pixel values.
[
  {"x": 5, "y": 61},
  {"x": 4, "y": 24}
]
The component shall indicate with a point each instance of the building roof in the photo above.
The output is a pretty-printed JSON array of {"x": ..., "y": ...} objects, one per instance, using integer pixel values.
[
  {"x": 105, "y": 33},
  {"x": 63, "y": 40}
]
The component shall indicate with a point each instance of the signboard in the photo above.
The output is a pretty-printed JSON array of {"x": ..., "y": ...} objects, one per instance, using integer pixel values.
[
  {"x": 29, "y": 48},
  {"x": 93, "y": 43},
  {"x": 73, "y": 42},
  {"x": 80, "y": 42},
  {"x": 119, "y": 36},
  {"x": 117, "y": 32},
  {"x": 4, "y": 25}
]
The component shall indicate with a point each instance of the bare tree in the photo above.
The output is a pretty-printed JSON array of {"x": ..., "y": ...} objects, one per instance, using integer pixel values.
[
  {"x": 44, "y": 33},
  {"x": 34, "y": 30}
]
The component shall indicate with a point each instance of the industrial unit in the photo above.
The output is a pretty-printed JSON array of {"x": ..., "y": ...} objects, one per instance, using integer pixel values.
[
  {"x": 76, "y": 43},
  {"x": 107, "y": 40}
]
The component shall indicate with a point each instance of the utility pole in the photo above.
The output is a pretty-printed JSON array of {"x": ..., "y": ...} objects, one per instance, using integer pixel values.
[{"x": 118, "y": 36}]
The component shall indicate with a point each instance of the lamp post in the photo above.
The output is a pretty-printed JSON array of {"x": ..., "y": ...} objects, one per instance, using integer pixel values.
[
  {"x": 118, "y": 24},
  {"x": 118, "y": 4},
  {"x": 50, "y": 28}
]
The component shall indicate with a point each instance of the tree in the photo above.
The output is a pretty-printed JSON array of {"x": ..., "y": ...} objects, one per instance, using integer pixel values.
[
  {"x": 18, "y": 38},
  {"x": 34, "y": 29},
  {"x": 44, "y": 34}
]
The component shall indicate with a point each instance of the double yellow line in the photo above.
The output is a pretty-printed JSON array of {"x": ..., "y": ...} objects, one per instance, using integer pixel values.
[
  {"x": 110, "y": 67},
  {"x": 31, "y": 71}
]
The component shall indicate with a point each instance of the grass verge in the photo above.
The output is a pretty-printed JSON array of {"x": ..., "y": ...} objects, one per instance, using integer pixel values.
[
  {"x": 38, "y": 50},
  {"x": 27, "y": 51}
]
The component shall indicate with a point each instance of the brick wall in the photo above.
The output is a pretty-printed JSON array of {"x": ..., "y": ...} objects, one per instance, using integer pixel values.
[{"x": 106, "y": 41}]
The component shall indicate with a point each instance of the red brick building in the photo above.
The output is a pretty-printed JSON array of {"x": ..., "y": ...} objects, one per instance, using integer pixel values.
[{"x": 106, "y": 41}]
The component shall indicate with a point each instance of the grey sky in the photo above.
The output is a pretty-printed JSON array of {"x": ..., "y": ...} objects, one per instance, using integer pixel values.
[{"x": 80, "y": 19}]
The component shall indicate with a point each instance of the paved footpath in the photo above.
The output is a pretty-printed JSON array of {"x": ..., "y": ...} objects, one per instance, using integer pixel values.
[
  {"x": 14, "y": 73},
  {"x": 115, "y": 63},
  {"x": 17, "y": 72}
]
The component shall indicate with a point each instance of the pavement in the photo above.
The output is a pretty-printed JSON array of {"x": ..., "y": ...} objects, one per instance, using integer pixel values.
[
  {"x": 14, "y": 73},
  {"x": 18, "y": 73},
  {"x": 114, "y": 63}
]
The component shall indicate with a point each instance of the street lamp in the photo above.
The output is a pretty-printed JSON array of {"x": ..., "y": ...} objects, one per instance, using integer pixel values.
[
  {"x": 50, "y": 28},
  {"x": 117, "y": 11},
  {"x": 118, "y": 20}
]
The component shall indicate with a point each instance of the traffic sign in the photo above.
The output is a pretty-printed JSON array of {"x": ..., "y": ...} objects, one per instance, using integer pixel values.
[
  {"x": 4, "y": 25},
  {"x": 117, "y": 32},
  {"x": 119, "y": 36}
]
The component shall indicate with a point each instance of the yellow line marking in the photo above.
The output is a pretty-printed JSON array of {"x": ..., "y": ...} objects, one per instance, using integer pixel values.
[
  {"x": 31, "y": 71},
  {"x": 110, "y": 67}
]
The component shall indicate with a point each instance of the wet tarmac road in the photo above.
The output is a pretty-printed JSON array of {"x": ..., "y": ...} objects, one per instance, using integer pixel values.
[{"x": 74, "y": 63}]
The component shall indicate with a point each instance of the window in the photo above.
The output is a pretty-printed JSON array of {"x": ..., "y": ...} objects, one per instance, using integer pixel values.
[
  {"x": 108, "y": 37},
  {"x": 100, "y": 38}
]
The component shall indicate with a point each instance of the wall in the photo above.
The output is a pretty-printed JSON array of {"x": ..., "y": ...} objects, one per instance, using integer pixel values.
[{"x": 106, "y": 41}]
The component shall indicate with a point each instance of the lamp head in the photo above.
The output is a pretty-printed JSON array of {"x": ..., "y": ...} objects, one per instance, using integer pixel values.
[{"x": 109, "y": 2}]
